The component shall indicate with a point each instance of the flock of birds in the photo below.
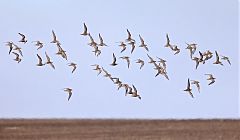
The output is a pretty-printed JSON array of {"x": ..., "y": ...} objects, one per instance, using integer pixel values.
[{"x": 160, "y": 65}]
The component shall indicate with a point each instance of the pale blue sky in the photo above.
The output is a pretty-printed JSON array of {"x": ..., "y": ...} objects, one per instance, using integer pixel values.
[{"x": 29, "y": 91}]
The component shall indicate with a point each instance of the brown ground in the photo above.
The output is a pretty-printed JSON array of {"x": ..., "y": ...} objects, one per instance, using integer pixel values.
[{"x": 22, "y": 129}]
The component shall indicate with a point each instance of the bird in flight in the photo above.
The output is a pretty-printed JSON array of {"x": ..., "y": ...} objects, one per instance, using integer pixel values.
[
  {"x": 85, "y": 32},
  {"x": 18, "y": 49},
  {"x": 175, "y": 49},
  {"x": 39, "y": 61},
  {"x": 54, "y": 38},
  {"x": 97, "y": 68},
  {"x": 123, "y": 45},
  {"x": 210, "y": 78},
  {"x": 127, "y": 59},
  {"x": 168, "y": 42},
  {"x": 18, "y": 59},
  {"x": 114, "y": 60},
  {"x": 217, "y": 59},
  {"x": 49, "y": 61},
  {"x": 73, "y": 65},
  {"x": 141, "y": 62},
  {"x": 226, "y": 59},
  {"x": 192, "y": 48},
  {"x": 38, "y": 44},
  {"x": 143, "y": 43},
  {"x": 69, "y": 91},
  {"x": 188, "y": 89},
  {"x": 101, "y": 41},
  {"x": 197, "y": 83},
  {"x": 133, "y": 46},
  {"x": 134, "y": 93},
  {"x": 10, "y": 45},
  {"x": 129, "y": 39},
  {"x": 23, "y": 39}
]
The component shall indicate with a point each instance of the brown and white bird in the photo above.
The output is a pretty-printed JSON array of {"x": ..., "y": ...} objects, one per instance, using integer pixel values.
[
  {"x": 69, "y": 91},
  {"x": 226, "y": 59},
  {"x": 73, "y": 65},
  {"x": 55, "y": 40},
  {"x": 92, "y": 42},
  {"x": 123, "y": 46},
  {"x": 16, "y": 48},
  {"x": 129, "y": 39},
  {"x": 163, "y": 62},
  {"x": 168, "y": 42},
  {"x": 197, "y": 83},
  {"x": 217, "y": 59},
  {"x": 18, "y": 59},
  {"x": 175, "y": 49},
  {"x": 108, "y": 75},
  {"x": 114, "y": 60},
  {"x": 127, "y": 59},
  {"x": 101, "y": 41},
  {"x": 143, "y": 43},
  {"x": 210, "y": 78},
  {"x": 196, "y": 59},
  {"x": 133, "y": 46},
  {"x": 97, "y": 68},
  {"x": 135, "y": 93},
  {"x": 151, "y": 59},
  {"x": 23, "y": 39},
  {"x": 141, "y": 62},
  {"x": 39, "y": 61},
  {"x": 61, "y": 52},
  {"x": 38, "y": 44},
  {"x": 49, "y": 62},
  {"x": 188, "y": 89},
  {"x": 192, "y": 47},
  {"x": 85, "y": 32},
  {"x": 10, "y": 45}
]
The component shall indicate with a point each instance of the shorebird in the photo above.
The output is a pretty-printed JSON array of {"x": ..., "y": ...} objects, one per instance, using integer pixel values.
[
  {"x": 217, "y": 59},
  {"x": 18, "y": 49},
  {"x": 197, "y": 84},
  {"x": 18, "y": 59},
  {"x": 23, "y": 38},
  {"x": 101, "y": 41},
  {"x": 143, "y": 43},
  {"x": 114, "y": 60},
  {"x": 168, "y": 42},
  {"x": 210, "y": 78},
  {"x": 127, "y": 59},
  {"x": 92, "y": 42},
  {"x": 40, "y": 61},
  {"x": 123, "y": 45},
  {"x": 49, "y": 61},
  {"x": 129, "y": 39},
  {"x": 226, "y": 58},
  {"x": 96, "y": 51},
  {"x": 69, "y": 91},
  {"x": 38, "y": 44},
  {"x": 192, "y": 48},
  {"x": 163, "y": 62},
  {"x": 151, "y": 59},
  {"x": 141, "y": 62},
  {"x": 135, "y": 93},
  {"x": 132, "y": 43},
  {"x": 85, "y": 33},
  {"x": 61, "y": 52},
  {"x": 201, "y": 57},
  {"x": 175, "y": 49},
  {"x": 10, "y": 45},
  {"x": 196, "y": 59},
  {"x": 107, "y": 74},
  {"x": 73, "y": 65},
  {"x": 188, "y": 89},
  {"x": 54, "y": 38},
  {"x": 208, "y": 55},
  {"x": 97, "y": 68},
  {"x": 117, "y": 81}
]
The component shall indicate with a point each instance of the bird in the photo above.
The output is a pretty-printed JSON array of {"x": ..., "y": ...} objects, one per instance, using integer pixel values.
[
  {"x": 226, "y": 58},
  {"x": 23, "y": 39},
  {"x": 217, "y": 59},
  {"x": 168, "y": 42},
  {"x": 201, "y": 57},
  {"x": 39, "y": 61},
  {"x": 123, "y": 45},
  {"x": 192, "y": 48},
  {"x": 97, "y": 68},
  {"x": 175, "y": 49},
  {"x": 74, "y": 65},
  {"x": 143, "y": 43},
  {"x": 101, "y": 41},
  {"x": 151, "y": 59},
  {"x": 197, "y": 83},
  {"x": 127, "y": 59},
  {"x": 196, "y": 59},
  {"x": 132, "y": 43},
  {"x": 38, "y": 44},
  {"x": 96, "y": 51},
  {"x": 135, "y": 93},
  {"x": 69, "y": 91},
  {"x": 210, "y": 78},
  {"x": 54, "y": 38},
  {"x": 18, "y": 59},
  {"x": 85, "y": 32},
  {"x": 188, "y": 89},
  {"x": 18, "y": 49},
  {"x": 92, "y": 42},
  {"x": 10, "y": 45},
  {"x": 49, "y": 61},
  {"x": 114, "y": 60},
  {"x": 163, "y": 62},
  {"x": 107, "y": 74},
  {"x": 140, "y": 62},
  {"x": 61, "y": 52},
  {"x": 129, "y": 39}
]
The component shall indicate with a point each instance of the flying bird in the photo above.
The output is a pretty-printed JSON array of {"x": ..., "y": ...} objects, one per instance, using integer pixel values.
[
  {"x": 73, "y": 65},
  {"x": 192, "y": 48},
  {"x": 226, "y": 59},
  {"x": 123, "y": 45},
  {"x": 210, "y": 78},
  {"x": 49, "y": 61},
  {"x": 143, "y": 43},
  {"x": 133, "y": 46},
  {"x": 18, "y": 59},
  {"x": 38, "y": 44},
  {"x": 168, "y": 42},
  {"x": 197, "y": 83},
  {"x": 54, "y": 38},
  {"x": 97, "y": 68},
  {"x": 23, "y": 39},
  {"x": 188, "y": 89},
  {"x": 196, "y": 59},
  {"x": 85, "y": 32},
  {"x": 18, "y": 49},
  {"x": 127, "y": 59},
  {"x": 129, "y": 39},
  {"x": 39, "y": 61},
  {"x": 175, "y": 49},
  {"x": 69, "y": 91},
  {"x": 114, "y": 60},
  {"x": 10, "y": 45},
  {"x": 135, "y": 93},
  {"x": 101, "y": 41},
  {"x": 217, "y": 59},
  {"x": 92, "y": 42},
  {"x": 141, "y": 62}
]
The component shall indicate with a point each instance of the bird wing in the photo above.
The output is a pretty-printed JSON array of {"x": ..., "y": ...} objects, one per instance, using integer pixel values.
[
  {"x": 23, "y": 36},
  {"x": 48, "y": 58},
  {"x": 129, "y": 34},
  {"x": 39, "y": 58},
  {"x": 54, "y": 36},
  {"x": 142, "y": 41},
  {"x": 101, "y": 39},
  {"x": 114, "y": 58}
]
